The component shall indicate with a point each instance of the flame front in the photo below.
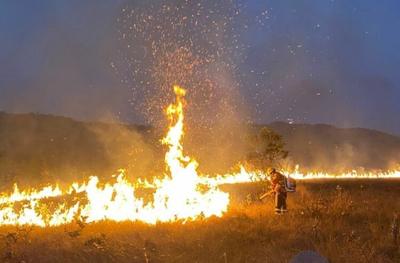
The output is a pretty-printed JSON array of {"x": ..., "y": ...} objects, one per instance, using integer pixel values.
[
  {"x": 182, "y": 194},
  {"x": 177, "y": 196},
  {"x": 246, "y": 176}
]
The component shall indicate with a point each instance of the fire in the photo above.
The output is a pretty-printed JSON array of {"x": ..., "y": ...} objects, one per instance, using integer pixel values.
[
  {"x": 178, "y": 196},
  {"x": 245, "y": 176},
  {"x": 182, "y": 194},
  {"x": 347, "y": 175}
]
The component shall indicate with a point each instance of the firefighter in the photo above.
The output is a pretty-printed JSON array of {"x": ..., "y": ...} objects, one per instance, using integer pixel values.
[{"x": 278, "y": 183}]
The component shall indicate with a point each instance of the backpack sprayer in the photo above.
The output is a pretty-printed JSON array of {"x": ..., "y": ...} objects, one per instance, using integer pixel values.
[{"x": 290, "y": 186}]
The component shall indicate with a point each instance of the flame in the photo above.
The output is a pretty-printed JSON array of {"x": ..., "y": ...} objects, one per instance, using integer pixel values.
[
  {"x": 246, "y": 176},
  {"x": 178, "y": 196},
  {"x": 182, "y": 194},
  {"x": 392, "y": 174}
]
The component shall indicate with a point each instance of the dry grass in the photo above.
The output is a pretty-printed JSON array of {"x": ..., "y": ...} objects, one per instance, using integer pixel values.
[{"x": 350, "y": 223}]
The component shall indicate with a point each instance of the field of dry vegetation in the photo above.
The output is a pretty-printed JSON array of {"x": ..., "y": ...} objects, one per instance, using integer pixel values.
[{"x": 343, "y": 221}]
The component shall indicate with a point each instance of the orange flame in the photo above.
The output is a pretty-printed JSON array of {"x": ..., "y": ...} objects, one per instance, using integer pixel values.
[
  {"x": 180, "y": 195},
  {"x": 177, "y": 195}
]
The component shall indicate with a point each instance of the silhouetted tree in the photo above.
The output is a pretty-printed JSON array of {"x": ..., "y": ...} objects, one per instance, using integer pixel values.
[{"x": 267, "y": 149}]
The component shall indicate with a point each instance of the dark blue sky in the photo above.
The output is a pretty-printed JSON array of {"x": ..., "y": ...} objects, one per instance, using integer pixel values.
[{"x": 325, "y": 61}]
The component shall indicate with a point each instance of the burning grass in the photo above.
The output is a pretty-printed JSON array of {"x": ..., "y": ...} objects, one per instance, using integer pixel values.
[
  {"x": 192, "y": 217},
  {"x": 346, "y": 223},
  {"x": 182, "y": 194}
]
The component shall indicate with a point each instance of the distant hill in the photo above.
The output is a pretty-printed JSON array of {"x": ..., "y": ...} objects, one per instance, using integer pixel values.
[
  {"x": 325, "y": 147},
  {"x": 45, "y": 148}
]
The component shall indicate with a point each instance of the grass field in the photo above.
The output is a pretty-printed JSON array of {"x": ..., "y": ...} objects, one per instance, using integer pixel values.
[{"x": 343, "y": 221}]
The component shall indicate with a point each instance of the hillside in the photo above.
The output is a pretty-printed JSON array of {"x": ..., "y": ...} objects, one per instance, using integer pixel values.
[
  {"x": 328, "y": 148},
  {"x": 44, "y": 148}
]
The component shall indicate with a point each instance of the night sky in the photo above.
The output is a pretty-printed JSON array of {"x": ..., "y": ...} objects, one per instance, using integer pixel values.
[{"x": 327, "y": 61}]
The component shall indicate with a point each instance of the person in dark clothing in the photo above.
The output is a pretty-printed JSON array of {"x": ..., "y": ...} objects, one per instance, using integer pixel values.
[{"x": 278, "y": 183}]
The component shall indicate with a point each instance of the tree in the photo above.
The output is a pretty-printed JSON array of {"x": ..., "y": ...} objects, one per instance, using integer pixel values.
[{"x": 267, "y": 149}]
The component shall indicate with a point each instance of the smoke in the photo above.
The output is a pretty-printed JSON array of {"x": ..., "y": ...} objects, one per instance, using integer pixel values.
[
  {"x": 327, "y": 148},
  {"x": 195, "y": 45},
  {"x": 301, "y": 62},
  {"x": 129, "y": 147}
]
